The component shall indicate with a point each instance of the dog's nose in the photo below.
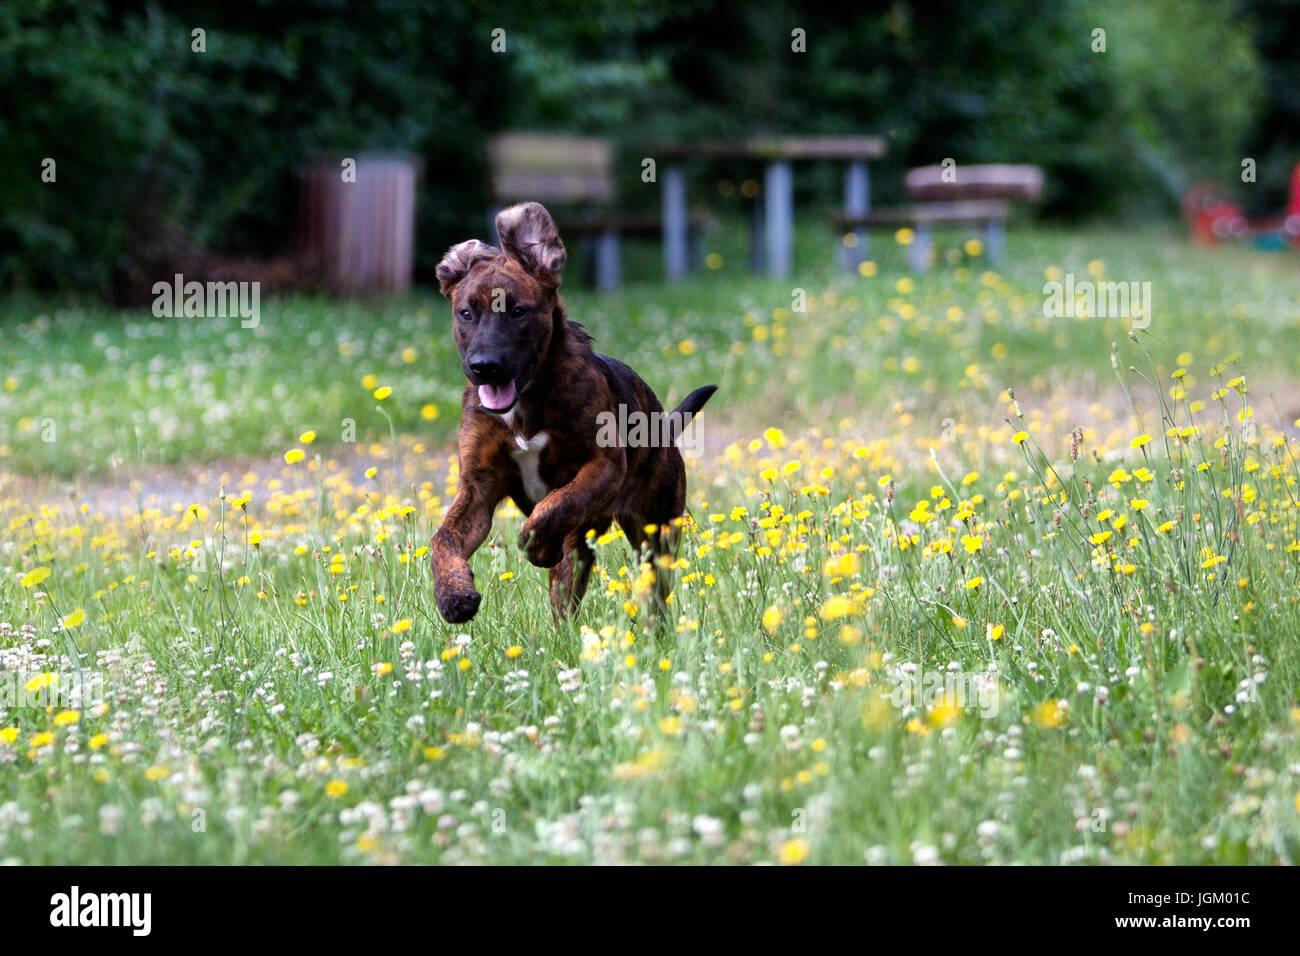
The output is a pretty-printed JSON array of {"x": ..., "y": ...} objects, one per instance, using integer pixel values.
[{"x": 490, "y": 368}]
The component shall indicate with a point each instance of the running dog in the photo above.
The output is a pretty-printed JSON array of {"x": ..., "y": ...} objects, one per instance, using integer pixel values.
[{"x": 529, "y": 424}]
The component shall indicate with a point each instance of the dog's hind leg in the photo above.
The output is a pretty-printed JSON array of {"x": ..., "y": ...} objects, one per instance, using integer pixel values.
[
  {"x": 656, "y": 545},
  {"x": 664, "y": 545},
  {"x": 569, "y": 578}
]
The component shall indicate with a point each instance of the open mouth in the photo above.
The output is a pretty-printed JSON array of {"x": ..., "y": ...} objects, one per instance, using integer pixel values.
[{"x": 498, "y": 398}]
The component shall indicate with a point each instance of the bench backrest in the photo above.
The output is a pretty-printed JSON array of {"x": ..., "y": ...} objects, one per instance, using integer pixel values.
[
  {"x": 551, "y": 169},
  {"x": 938, "y": 183}
]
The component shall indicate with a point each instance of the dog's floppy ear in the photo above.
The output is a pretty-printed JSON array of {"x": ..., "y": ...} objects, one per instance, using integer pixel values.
[
  {"x": 459, "y": 260},
  {"x": 528, "y": 235}
]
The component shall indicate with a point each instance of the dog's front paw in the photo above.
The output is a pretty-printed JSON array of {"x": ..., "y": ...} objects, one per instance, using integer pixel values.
[
  {"x": 457, "y": 607},
  {"x": 543, "y": 550}
]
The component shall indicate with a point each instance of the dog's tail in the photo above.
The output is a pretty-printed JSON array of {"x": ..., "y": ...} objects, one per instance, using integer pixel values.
[{"x": 681, "y": 415}]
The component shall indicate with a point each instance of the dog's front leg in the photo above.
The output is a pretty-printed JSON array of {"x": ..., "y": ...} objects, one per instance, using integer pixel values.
[
  {"x": 570, "y": 508},
  {"x": 464, "y": 528}
]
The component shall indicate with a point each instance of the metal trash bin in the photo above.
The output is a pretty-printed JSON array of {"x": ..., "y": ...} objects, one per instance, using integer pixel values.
[{"x": 359, "y": 234}]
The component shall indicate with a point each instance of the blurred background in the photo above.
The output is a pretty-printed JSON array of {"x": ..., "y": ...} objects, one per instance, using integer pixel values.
[{"x": 163, "y": 151}]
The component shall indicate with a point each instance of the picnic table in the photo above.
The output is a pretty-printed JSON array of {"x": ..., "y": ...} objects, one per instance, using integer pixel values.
[
  {"x": 978, "y": 195},
  {"x": 574, "y": 175},
  {"x": 774, "y": 215}
]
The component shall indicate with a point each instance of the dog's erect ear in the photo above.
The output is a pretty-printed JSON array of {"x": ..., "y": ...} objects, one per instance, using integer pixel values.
[
  {"x": 459, "y": 260},
  {"x": 528, "y": 235}
]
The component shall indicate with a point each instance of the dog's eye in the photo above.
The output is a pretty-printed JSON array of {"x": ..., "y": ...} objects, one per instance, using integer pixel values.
[
  {"x": 465, "y": 314},
  {"x": 519, "y": 311}
]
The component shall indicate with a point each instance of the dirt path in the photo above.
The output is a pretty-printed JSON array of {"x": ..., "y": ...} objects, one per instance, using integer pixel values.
[{"x": 908, "y": 423}]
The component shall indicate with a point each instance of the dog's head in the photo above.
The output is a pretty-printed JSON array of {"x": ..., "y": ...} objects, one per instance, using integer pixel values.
[{"x": 503, "y": 302}]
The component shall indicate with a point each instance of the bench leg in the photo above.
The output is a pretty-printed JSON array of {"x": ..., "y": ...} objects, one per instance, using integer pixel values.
[
  {"x": 607, "y": 260},
  {"x": 586, "y": 244},
  {"x": 675, "y": 224},
  {"x": 995, "y": 239},
  {"x": 857, "y": 203},
  {"x": 757, "y": 261},
  {"x": 918, "y": 253},
  {"x": 778, "y": 196}
]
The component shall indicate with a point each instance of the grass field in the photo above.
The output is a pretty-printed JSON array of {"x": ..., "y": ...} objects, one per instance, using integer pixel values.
[{"x": 918, "y": 617}]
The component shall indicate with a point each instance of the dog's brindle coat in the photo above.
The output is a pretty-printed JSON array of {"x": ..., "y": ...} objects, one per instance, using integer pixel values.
[{"x": 529, "y": 423}]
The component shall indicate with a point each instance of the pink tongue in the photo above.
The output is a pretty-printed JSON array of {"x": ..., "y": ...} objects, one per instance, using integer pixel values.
[{"x": 497, "y": 397}]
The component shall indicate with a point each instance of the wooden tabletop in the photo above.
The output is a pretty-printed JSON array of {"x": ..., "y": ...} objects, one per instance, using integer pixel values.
[{"x": 780, "y": 147}]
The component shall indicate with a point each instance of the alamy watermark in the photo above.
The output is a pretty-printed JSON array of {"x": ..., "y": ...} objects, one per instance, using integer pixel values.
[
  {"x": 1102, "y": 300},
  {"x": 214, "y": 300},
  {"x": 961, "y": 690},
  {"x": 71, "y": 690},
  {"x": 73, "y": 909},
  {"x": 633, "y": 428}
]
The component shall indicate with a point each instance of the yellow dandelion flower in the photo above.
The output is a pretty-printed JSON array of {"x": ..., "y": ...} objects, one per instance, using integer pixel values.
[
  {"x": 41, "y": 681},
  {"x": 944, "y": 712},
  {"x": 1049, "y": 714},
  {"x": 34, "y": 577},
  {"x": 836, "y": 607},
  {"x": 793, "y": 852}
]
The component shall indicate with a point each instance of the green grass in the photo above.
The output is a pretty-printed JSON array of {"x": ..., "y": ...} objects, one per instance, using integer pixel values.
[
  {"x": 279, "y": 687},
  {"x": 131, "y": 388}
]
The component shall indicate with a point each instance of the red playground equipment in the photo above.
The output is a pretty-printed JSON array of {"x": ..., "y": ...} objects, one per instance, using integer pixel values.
[{"x": 1214, "y": 219}]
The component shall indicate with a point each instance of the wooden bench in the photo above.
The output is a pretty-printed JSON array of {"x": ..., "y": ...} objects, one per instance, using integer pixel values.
[
  {"x": 772, "y": 214},
  {"x": 979, "y": 195},
  {"x": 573, "y": 176}
]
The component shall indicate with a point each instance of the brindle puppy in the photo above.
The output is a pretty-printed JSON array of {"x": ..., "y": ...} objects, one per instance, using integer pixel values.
[{"x": 530, "y": 422}]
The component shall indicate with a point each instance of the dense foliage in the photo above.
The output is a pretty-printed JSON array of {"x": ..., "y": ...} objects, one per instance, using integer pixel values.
[{"x": 156, "y": 143}]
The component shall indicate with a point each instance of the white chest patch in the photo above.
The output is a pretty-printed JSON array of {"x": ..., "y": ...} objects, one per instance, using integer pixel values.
[{"x": 527, "y": 457}]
